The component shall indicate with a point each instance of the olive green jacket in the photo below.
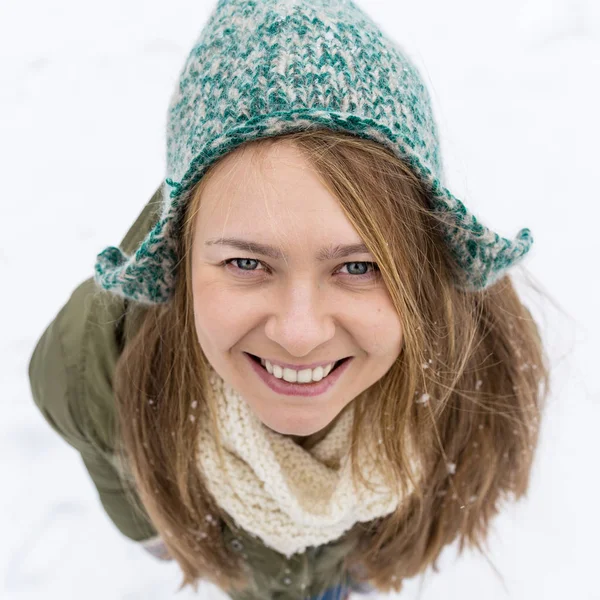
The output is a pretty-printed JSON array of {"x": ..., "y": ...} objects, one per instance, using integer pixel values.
[{"x": 70, "y": 374}]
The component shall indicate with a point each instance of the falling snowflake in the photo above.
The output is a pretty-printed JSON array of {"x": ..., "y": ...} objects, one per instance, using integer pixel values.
[
  {"x": 423, "y": 399},
  {"x": 451, "y": 468}
]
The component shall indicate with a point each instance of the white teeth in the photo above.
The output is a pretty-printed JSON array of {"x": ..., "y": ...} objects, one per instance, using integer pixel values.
[{"x": 304, "y": 376}]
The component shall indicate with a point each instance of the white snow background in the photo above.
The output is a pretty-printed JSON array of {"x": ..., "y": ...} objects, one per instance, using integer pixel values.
[{"x": 84, "y": 90}]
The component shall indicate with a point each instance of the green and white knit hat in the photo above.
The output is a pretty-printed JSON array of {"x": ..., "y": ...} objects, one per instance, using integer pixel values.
[{"x": 261, "y": 68}]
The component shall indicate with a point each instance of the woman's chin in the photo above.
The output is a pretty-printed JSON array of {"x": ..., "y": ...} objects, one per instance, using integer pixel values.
[{"x": 293, "y": 429}]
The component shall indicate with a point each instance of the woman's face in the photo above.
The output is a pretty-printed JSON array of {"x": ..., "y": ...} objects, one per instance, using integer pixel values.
[{"x": 293, "y": 308}]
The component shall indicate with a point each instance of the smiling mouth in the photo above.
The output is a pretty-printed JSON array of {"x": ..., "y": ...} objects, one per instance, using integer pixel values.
[{"x": 257, "y": 359}]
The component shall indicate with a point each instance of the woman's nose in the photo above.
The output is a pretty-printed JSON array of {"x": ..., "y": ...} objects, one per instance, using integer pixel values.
[{"x": 301, "y": 321}]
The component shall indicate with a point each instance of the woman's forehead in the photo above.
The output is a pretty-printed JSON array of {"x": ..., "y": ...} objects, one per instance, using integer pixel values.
[{"x": 283, "y": 195}]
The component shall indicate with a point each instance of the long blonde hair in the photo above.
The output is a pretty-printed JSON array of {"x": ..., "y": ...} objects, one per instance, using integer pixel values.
[{"x": 469, "y": 386}]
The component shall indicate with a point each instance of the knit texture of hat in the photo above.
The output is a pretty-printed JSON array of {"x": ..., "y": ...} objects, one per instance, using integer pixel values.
[{"x": 268, "y": 67}]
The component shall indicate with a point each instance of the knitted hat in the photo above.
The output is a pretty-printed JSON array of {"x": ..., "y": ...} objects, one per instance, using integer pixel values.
[{"x": 261, "y": 68}]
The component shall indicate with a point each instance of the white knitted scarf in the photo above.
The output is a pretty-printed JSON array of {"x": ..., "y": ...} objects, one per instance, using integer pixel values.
[{"x": 289, "y": 497}]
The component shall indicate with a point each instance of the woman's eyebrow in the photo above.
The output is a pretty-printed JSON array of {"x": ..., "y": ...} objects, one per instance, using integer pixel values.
[{"x": 332, "y": 252}]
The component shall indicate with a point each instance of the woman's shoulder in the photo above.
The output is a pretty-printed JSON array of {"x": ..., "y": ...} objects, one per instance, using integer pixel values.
[
  {"x": 71, "y": 368},
  {"x": 72, "y": 362}
]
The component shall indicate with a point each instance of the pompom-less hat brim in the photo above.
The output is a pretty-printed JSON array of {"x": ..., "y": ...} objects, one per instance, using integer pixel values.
[{"x": 264, "y": 69}]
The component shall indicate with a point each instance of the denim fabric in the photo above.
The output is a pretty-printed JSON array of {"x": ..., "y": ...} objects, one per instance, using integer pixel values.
[{"x": 342, "y": 592}]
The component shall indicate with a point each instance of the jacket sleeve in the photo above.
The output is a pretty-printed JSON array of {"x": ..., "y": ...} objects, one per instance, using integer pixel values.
[
  {"x": 70, "y": 374},
  {"x": 48, "y": 378}
]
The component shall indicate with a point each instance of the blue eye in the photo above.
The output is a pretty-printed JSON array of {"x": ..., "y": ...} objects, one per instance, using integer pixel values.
[{"x": 366, "y": 275}]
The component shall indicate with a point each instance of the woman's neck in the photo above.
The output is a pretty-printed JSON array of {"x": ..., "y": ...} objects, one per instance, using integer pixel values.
[{"x": 308, "y": 441}]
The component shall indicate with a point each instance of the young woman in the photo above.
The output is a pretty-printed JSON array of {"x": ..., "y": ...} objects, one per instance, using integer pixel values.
[{"x": 305, "y": 370}]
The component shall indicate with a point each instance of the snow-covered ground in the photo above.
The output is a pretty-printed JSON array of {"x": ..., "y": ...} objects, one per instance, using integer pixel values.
[{"x": 84, "y": 89}]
